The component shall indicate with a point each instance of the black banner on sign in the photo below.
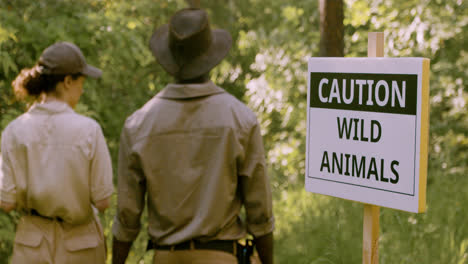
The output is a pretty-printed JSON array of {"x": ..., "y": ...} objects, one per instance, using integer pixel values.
[{"x": 383, "y": 93}]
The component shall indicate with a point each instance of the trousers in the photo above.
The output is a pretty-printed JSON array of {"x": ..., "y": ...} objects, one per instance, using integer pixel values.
[
  {"x": 197, "y": 257},
  {"x": 44, "y": 241}
]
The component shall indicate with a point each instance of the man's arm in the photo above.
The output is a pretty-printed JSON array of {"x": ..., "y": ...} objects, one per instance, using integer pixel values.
[
  {"x": 120, "y": 251},
  {"x": 131, "y": 190},
  {"x": 264, "y": 245},
  {"x": 256, "y": 195}
]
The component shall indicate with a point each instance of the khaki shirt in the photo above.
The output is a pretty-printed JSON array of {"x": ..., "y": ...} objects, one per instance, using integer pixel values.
[
  {"x": 56, "y": 162},
  {"x": 198, "y": 153}
]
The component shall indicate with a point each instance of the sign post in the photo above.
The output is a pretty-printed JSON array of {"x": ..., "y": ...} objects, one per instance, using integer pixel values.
[
  {"x": 367, "y": 134},
  {"x": 371, "y": 218}
]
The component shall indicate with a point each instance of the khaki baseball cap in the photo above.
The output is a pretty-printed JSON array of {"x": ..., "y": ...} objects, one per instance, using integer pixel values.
[{"x": 66, "y": 58}]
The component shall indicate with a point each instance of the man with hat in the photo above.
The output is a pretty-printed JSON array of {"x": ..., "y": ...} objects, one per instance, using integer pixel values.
[{"x": 196, "y": 153}]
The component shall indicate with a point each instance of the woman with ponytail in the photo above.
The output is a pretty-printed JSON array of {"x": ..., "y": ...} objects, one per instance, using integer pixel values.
[{"x": 55, "y": 167}]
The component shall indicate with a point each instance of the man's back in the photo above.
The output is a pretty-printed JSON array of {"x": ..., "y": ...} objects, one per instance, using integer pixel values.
[{"x": 198, "y": 151}]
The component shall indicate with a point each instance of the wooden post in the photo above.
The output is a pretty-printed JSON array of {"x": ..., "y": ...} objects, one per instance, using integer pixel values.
[
  {"x": 375, "y": 44},
  {"x": 371, "y": 219},
  {"x": 370, "y": 241}
]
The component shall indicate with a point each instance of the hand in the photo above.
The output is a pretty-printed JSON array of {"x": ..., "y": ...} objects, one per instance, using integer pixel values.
[
  {"x": 120, "y": 251},
  {"x": 264, "y": 246},
  {"x": 103, "y": 204}
]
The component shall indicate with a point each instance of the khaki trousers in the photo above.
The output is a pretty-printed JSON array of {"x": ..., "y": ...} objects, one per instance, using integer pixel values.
[
  {"x": 43, "y": 241},
  {"x": 197, "y": 257}
]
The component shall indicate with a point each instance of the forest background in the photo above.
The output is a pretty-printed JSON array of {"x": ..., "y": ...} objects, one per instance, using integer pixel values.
[{"x": 267, "y": 69}]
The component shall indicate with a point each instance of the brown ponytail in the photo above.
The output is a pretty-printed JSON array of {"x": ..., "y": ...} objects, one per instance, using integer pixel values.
[{"x": 32, "y": 83}]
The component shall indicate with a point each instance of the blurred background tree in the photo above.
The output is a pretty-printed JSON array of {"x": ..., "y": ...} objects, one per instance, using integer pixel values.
[
  {"x": 267, "y": 69},
  {"x": 331, "y": 28}
]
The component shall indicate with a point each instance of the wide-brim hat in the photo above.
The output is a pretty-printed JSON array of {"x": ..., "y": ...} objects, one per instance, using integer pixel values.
[{"x": 187, "y": 47}]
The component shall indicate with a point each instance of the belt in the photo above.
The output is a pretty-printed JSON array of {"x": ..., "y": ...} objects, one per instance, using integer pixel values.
[
  {"x": 229, "y": 246},
  {"x": 35, "y": 213}
]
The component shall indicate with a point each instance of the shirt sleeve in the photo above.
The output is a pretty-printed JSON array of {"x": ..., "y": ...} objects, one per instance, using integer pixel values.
[
  {"x": 255, "y": 185},
  {"x": 7, "y": 177},
  {"x": 131, "y": 190},
  {"x": 101, "y": 169}
]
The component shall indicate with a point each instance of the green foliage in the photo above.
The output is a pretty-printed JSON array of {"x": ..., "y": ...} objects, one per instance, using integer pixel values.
[
  {"x": 6, "y": 235},
  {"x": 267, "y": 69}
]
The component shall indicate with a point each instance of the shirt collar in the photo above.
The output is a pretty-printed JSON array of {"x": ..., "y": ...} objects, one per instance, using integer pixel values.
[
  {"x": 186, "y": 91},
  {"x": 50, "y": 107}
]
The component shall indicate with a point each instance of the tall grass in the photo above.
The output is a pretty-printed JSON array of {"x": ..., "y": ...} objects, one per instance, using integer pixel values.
[{"x": 313, "y": 228}]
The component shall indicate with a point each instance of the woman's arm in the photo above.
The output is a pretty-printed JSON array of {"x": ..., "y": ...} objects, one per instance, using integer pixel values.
[
  {"x": 103, "y": 204},
  {"x": 101, "y": 173}
]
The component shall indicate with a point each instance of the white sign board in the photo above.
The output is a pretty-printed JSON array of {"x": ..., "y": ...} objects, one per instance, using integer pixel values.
[{"x": 367, "y": 130}]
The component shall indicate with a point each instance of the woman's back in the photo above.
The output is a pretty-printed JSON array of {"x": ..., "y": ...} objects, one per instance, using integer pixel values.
[{"x": 52, "y": 151}]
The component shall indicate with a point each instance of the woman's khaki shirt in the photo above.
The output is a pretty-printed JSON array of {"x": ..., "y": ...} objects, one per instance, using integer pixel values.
[{"x": 56, "y": 162}]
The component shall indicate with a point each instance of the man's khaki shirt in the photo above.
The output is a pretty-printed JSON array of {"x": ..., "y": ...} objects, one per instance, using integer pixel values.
[
  {"x": 197, "y": 153},
  {"x": 55, "y": 162}
]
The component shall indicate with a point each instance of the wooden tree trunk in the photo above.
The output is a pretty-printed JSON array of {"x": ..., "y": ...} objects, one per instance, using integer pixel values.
[{"x": 331, "y": 28}]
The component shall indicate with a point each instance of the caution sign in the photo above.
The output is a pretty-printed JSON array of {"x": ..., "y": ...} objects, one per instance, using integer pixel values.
[{"x": 367, "y": 130}]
